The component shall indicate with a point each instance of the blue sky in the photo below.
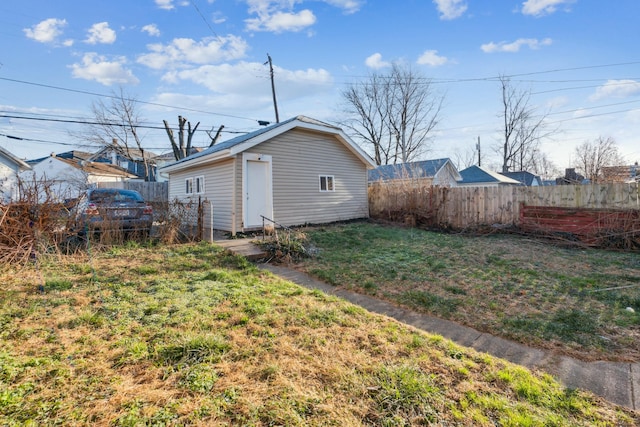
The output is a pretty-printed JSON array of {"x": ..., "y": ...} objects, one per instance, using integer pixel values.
[{"x": 205, "y": 60}]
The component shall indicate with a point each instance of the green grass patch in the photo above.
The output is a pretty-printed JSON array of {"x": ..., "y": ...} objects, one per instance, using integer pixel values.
[{"x": 501, "y": 284}]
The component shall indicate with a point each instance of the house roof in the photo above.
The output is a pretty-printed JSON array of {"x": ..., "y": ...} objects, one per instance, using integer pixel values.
[
  {"x": 134, "y": 153},
  {"x": 244, "y": 142},
  {"x": 74, "y": 154},
  {"x": 22, "y": 165},
  {"x": 97, "y": 168},
  {"x": 524, "y": 177},
  {"x": 478, "y": 175},
  {"x": 413, "y": 170}
]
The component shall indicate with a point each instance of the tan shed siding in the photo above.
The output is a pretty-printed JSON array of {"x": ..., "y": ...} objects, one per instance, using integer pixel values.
[
  {"x": 299, "y": 158},
  {"x": 218, "y": 189},
  {"x": 238, "y": 188}
]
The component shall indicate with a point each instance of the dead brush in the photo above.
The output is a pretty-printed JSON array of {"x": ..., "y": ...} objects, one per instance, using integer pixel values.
[
  {"x": 177, "y": 221},
  {"x": 35, "y": 223},
  {"x": 409, "y": 199},
  {"x": 287, "y": 246}
]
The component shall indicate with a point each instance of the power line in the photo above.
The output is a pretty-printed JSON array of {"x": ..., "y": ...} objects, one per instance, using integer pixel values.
[
  {"x": 88, "y": 122},
  {"x": 84, "y": 92},
  {"x": 42, "y": 141},
  {"x": 193, "y": 2}
]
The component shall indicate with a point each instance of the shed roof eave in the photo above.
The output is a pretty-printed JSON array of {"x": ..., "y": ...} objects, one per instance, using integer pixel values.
[{"x": 188, "y": 164}]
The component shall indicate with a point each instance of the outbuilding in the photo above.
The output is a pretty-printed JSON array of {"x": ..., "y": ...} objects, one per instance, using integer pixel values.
[{"x": 299, "y": 171}]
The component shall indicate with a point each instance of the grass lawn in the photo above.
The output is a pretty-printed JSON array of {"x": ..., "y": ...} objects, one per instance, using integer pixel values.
[
  {"x": 584, "y": 303},
  {"x": 190, "y": 335}
]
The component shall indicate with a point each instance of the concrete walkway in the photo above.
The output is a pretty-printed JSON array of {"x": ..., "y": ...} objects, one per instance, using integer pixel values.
[
  {"x": 242, "y": 246},
  {"x": 617, "y": 382}
]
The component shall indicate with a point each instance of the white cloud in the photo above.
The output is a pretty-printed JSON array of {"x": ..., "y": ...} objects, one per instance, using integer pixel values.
[
  {"x": 616, "y": 89},
  {"x": 239, "y": 82},
  {"x": 46, "y": 31},
  {"x": 97, "y": 67},
  {"x": 432, "y": 59},
  {"x": 183, "y": 51},
  {"x": 557, "y": 102},
  {"x": 543, "y": 7},
  {"x": 152, "y": 30},
  {"x": 515, "y": 46},
  {"x": 451, "y": 9},
  {"x": 279, "y": 22},
  {"x": 375, "y": 61},
  {"x": 168, "y": 4},
  {"x": 101, "y": 33},
  {"x": 165, "y": 4},
  {"x": 349, "y": 6}
]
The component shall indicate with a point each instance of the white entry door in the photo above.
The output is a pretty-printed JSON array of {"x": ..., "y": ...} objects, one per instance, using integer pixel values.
[{"x": 257, "y": 195}]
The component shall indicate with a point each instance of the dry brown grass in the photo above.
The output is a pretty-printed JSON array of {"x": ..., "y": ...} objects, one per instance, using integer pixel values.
[{"x": 190, "y": 335}]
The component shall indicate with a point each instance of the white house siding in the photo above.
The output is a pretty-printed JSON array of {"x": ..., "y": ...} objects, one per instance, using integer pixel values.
[
  {"x": 218, "y": 189},
  {"x": 54, "y": 178},
  {"x": 299, "y": 157},
  {"x": 445, "y": 177},
  {"x": 8, "y": 178}
]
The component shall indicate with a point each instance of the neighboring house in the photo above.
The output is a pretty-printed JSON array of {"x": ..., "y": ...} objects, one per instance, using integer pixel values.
[
  {"x": 133, "y": 162},
  {"x": 113, "y": 155},
  {"x": 70, "y": 155},
  {"x": 65, "y": 178},
  {"x": 620, "y": 174},
  {"x": 525, "y": 178},
  {"x": 295, "y": 172},
  {"x": 10, "y": 167},
  {"x": 571, "y": 177},
  {"x": 476, "y": 176},
  {"x": 440, "y": 172}
]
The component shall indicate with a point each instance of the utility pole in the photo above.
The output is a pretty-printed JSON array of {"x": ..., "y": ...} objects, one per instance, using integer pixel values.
[
  {"x": 273, "y": 87},
  {"x": 478, "y": 148}
]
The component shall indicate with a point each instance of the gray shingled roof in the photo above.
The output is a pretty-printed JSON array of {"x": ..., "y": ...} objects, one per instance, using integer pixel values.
[
  {"x": 523, "y": 176},
  {"x": 248, "y": 137},
  {"x": 477, "y": 175},
  {"x": 413, "y": 170}
]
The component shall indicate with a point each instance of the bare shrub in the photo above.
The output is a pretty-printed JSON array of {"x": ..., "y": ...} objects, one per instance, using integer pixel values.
[
  {"x": 177, "y": 221},
  {"x": 412, "y": 201},
  {"x": 35, "y": 223}
]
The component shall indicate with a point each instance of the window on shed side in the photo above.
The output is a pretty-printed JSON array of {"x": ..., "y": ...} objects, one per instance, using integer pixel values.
[
  {"x": 188, "y": 188},
  {"x": 199, "y": 183},
  {"x": 326, "y": 183}
]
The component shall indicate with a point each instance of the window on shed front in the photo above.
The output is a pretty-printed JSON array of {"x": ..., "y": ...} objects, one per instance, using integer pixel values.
[
  {"x": 188, "y": 188},
  {"x": 326, "y": 183}
]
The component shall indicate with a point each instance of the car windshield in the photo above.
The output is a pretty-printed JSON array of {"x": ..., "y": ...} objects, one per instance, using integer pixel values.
[{"x": 120, "y": 196}]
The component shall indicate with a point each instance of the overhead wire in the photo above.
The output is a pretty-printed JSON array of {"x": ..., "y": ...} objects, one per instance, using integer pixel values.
[{"x": 156, "y": 104}]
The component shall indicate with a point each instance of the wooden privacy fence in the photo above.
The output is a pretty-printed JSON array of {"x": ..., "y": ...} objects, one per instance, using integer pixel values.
[
  {"x": 469, "y": 207},
  {"x": 156, "y": 192}
]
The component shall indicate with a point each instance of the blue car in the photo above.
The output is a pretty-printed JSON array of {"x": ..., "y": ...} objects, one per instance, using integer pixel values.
[{"x": 113, "y": 209}]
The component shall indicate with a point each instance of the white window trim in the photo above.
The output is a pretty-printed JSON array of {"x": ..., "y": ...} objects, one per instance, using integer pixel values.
[
  {"x": 197, "y": 190},
  {"x": 188, "y": 186},
  {"x": 327, "y": 178}
]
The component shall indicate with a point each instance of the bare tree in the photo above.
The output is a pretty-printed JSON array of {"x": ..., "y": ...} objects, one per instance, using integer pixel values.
[
  {"x": 593, "y": 156},
  {"x": 116, "y": 125},
  {"x": 393, "y": 114},
  {"x": 544, "y": 167},
  {"x": 466, "y": 158},
  {"x": 180, "y": 148},
  {"x": 413, "y": 112},
  {"x": 214, "y": 139},
  {"x": 367, "y": 121},
  {"x": 523, "y": 128}
]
